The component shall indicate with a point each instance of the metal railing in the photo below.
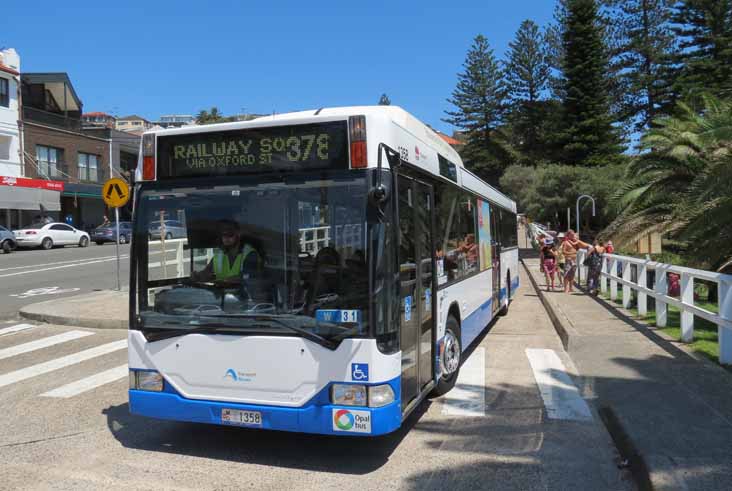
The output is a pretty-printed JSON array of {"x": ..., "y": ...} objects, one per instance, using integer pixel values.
[{"x": 632, "y": 275}]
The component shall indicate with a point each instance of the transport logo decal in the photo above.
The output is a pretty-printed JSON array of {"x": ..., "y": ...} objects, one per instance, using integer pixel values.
[
  {"x": 351, "y": 421},
  {"x": 343, "y": 419},
  {"x": 238, "y": 376}
]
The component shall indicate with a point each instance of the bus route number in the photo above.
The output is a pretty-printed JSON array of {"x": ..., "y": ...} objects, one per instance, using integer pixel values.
[{"x": 295, "y": 148}]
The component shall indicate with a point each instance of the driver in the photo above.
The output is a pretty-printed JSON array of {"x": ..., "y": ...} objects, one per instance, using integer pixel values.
[{"x": 234, "y": 261}]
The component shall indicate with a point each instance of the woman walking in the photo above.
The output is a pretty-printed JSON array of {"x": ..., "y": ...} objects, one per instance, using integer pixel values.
[
  {"x": 569, "y": 248},
  {"x": 549, "y": 263}
]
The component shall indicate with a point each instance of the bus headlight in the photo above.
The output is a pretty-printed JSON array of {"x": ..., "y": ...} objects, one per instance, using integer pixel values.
[
  {"x": 348, "y": 394},
  {"x": 380, "y": 395},
  {"x": 146, "y": 380}
]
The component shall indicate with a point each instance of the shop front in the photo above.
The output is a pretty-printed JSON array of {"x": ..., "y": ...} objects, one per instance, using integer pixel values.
[
  {"x": 82, "y": 206},
  {"x": 24, "y": 200}
]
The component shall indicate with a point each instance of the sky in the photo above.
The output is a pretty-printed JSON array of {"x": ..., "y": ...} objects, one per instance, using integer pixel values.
[{"x": 177, "y": 57}]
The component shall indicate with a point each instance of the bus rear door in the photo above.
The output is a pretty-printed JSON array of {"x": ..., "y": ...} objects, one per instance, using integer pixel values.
[{"x": 496, "y": 262}]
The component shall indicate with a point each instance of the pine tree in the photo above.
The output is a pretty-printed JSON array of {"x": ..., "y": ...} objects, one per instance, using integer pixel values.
[
  {"x": 479, "y": 108},
  {"x": 705, "y": 50},
  {"x": 526, "y": 78},
  {"x": 384, "y": 100},
  {"x": 589, "y": 136},
  {"x": 643, "y": 44}
]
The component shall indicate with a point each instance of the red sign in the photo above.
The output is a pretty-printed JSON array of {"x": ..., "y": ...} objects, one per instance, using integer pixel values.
[{"x": 23, "y": 182}]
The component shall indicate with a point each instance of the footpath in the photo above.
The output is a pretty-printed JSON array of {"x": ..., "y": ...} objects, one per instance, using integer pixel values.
[
  {"x": 669, "y": 412},
  {"x": 107, "y": 309}
]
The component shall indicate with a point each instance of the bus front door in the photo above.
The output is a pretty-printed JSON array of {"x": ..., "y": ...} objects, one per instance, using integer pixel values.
[{"x": 416, "y": 286}]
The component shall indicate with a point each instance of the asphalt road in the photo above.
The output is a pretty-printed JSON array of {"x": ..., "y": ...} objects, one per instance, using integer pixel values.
[
  {"x": 516, "y": 420},
  {"x": 34, "y": 275}
]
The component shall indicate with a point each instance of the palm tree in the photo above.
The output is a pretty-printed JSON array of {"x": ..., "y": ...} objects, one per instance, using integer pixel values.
[{"x": 681, "y": 182}]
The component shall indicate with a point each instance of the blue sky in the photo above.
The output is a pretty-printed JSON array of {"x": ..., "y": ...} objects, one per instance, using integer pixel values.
[{"x": 161, "y": 57}]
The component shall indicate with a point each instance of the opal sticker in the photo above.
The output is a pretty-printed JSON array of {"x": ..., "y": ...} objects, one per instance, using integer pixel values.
[{"x": 351, "y": 421}]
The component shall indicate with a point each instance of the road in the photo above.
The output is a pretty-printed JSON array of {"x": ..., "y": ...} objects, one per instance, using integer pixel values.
[
  {"x": 33, "y": 275},
  {"x": 516, "y": 420}
]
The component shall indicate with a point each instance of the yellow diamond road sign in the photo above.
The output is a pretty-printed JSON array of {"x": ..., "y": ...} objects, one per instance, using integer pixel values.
[{"x": 115, "y": 192}]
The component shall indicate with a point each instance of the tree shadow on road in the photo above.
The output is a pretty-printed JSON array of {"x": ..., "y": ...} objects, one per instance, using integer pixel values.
[{"x": 322, "y": 453}]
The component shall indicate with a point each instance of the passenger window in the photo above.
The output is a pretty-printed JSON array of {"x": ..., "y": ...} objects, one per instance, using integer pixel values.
[{"x": 457, "y": 250}]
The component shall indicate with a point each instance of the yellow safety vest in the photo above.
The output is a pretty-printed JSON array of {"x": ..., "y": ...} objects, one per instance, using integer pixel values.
[{"x": 224, "y": 269}]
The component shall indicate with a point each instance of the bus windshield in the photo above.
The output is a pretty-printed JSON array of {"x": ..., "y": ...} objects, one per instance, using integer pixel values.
[{"x": 253, "y": 255}]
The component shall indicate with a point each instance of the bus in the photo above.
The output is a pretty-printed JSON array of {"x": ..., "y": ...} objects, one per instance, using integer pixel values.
[{"x": 375, "y": 259}]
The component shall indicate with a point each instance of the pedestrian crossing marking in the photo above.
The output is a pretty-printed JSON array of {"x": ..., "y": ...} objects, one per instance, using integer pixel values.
[
  {"x": 88, "y": 383},
  {"x": 16, "y": 328},
  {"x": 58, "y": 363},
  {"x": 467, "y": 398},
  {"x": 42, "y": 343},
  {"x": 561, "y": 397}
]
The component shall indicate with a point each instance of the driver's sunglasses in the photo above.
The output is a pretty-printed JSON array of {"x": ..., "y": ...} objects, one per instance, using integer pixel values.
[{"x": 228, "y": 234}]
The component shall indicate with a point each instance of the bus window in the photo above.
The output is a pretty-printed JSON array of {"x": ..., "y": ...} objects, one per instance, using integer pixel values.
[{"x": 457, "y": 248}]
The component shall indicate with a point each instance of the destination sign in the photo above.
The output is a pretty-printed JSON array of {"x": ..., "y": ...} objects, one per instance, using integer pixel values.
[{"x": 280, "y": 148}]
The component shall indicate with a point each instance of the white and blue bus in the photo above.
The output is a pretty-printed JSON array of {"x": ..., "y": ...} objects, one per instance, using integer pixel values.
[{"x": 377, "y": 260}]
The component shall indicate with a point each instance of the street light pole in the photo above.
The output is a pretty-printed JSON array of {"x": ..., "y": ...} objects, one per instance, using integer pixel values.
[
  {"x": 116, "y": 209},
  {"x": 577, "y": 210}
]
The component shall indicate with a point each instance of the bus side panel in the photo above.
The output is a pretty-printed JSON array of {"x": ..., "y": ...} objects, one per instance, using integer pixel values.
[
  {"x": 473, "y": 295},
  {"x": 509, "y": 266}
]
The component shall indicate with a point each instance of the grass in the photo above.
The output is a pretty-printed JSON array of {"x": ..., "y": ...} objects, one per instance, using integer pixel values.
[{"x": 705, "y": 340}]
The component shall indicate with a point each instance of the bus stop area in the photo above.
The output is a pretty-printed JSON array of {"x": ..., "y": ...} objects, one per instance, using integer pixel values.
[{"x": 519, "y": 418}]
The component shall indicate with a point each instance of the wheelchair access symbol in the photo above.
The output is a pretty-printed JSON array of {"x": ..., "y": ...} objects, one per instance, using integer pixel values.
[{"x": 360, "y": 372}]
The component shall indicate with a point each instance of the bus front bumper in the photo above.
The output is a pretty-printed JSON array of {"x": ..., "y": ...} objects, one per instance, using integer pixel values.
[{"x": 314, "y": 417}]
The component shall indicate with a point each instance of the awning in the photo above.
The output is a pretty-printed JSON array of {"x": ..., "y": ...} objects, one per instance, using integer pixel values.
[
  {"x": 20, "y": 198},
  {"x": 83, "y": 190}
]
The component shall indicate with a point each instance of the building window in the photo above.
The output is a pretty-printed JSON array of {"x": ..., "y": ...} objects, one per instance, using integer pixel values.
[
  {"x": 4, "y": 92},
  {"x": 88, "y": 164},
  {"x": 49, "y": 161}
]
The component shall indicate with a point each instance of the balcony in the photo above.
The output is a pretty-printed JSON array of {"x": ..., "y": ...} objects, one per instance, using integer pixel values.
[
  {"x": 56, "y": 171},
  {"x": 60, "y": 171},
  {"x": 58, "y": 120}
]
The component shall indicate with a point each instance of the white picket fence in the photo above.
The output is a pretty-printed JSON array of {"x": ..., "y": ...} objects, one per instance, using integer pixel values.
[{"x": 610, "y": 280}]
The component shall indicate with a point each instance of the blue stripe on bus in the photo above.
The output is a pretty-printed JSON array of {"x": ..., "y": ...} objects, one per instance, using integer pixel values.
[
  {"x": 316, "y": 416},
  {"x": 474, "y": 324}
]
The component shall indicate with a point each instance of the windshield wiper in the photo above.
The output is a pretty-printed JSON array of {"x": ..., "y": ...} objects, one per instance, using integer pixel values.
[
  {"x": 213, "y": 326},
  {"x": 307, "y": 334}
]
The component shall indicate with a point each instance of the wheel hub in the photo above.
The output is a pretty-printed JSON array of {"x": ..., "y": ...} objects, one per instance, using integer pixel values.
[{"x": 450, "y": 354}]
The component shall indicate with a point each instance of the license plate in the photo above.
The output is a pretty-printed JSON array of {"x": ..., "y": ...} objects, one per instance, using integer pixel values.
[{"x": 241, "y": 418}]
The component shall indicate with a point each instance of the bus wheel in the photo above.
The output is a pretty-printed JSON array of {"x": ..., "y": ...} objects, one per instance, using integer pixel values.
[{"x": 451, "y": 357}]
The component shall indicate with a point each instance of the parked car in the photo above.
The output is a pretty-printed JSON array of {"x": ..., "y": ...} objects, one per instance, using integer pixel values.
[
  {"x": 108, "y": 233},
  {"x": 7, "y": 240},
  {"x": 48, "y": 235},
  {"x": 173, "y": 230}
]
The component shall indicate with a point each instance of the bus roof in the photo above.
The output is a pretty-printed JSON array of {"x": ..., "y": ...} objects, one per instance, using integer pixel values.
[{"x": 393, "y": 114}]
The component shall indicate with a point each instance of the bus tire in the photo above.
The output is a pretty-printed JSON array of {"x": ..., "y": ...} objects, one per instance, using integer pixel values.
[{"x": 451, "y": 357}]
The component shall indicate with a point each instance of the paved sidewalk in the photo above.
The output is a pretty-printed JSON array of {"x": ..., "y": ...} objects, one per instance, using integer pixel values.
[
  {"x": 107, "y": 309},
  {"x": 670, "y": 412}
]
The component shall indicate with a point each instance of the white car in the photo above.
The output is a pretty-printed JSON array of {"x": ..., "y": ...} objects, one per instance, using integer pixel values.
[{"x": 48, "y": 235}]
